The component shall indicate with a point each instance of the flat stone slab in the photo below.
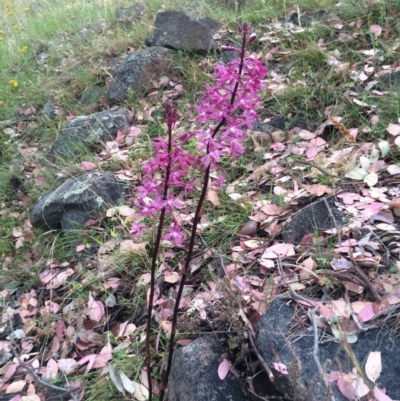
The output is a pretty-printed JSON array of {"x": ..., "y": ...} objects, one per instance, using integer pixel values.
[
  {"x": 84, "y": 132},
  {"x": 77, "y": 199},
  {"x": 311, "y": 219},
  {"x": 177, "y": 30},
  {"x": 194, "y": 374},
  {"x": 278, "y": 342},
  {"x": 139, "y": 71}
]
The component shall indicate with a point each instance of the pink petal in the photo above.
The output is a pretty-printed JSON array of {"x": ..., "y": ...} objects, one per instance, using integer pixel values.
[
  {"x": 223, "y": 369},
  {"x": 281, "y": 368}
]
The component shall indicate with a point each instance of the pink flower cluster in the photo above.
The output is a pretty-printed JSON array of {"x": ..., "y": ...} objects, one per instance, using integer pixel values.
[
  {"x": 217, "y": 106},
  {"x": 226, "y": 109}
]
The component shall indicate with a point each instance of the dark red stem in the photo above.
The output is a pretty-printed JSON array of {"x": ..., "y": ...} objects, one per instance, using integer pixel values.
[
  {"x": 193, "y": 235},
  {"x": 154, "y": 264}
]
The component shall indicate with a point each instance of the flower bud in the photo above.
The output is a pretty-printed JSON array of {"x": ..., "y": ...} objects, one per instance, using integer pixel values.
[
  {"x": 230, "y": 48},
  {"x": 170, "y": 115},
  {"x": 252, "y": 37}
]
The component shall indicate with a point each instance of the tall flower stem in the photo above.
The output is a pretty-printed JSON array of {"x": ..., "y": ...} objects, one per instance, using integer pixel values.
[
  {"x": 170, "y": 115},
  {"x": 194, "y": 227}
]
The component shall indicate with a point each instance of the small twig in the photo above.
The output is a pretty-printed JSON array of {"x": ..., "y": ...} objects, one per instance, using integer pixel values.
[
  {"x": 23, "y": 365},
  {"x": 365, "y": 279},
  {"x": 7, "y": 123},
  {"x": 246, "y": 320},
  {"x": 315, "y": 308},
  {"x": 315, "y": 354},
  {"x": 333, "y": 220},
  {"x": 291, "y": 291},
  {"x": 340, "y": 276},
  {"x": 223, "y": 266},
  {"x": 356, "y": 321},
  {"x": 260, "y": 358},
  {"x": 312, "y": 165},
  {"x": 269, "y": 398},
  {"x": 258, "y": 396}
]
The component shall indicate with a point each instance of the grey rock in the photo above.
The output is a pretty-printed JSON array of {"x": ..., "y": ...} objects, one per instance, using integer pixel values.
[
  {"x": 73, "y": 224},
  {"x": 132, "y": 13},
  {"x": 387, "y": 81},
  {"x": 74, "y": 219},
  {"x": 5, "y": 357},
  {"x": 278, "y": 342},
  {"x": 282, "y": 123},
  {"x": 87, "y": 195},
  {"x": 194, "y": 374},
  {"x": 49, "y": 110},
  {"x": 42, "y": 57},
  {"x": 308, "y": 19},
  {"x": 85, "y": 132},
  {"x": 86, "y": 33},
  {"x": 311, "y": 219},
  {"x": 177, "y": 30},
  {"x": 138, "y": 71}
]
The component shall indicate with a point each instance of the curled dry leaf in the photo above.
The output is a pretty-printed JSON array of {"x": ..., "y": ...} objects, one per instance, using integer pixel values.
[
  {"x": 115, "y": 378},
  {"x": 346, "y": 388},
  {"x": 318, "y": 189},
  {"x": 380, "y": 395},
  {"x": 107, "y": 247},
  {"x": 376, "y": 29},
  {"x": 373, "y": 366},
  {"x": 395, "y": 203},
  {"x": 213, "y": 197},
  {"x": 67, "y": 365},
  {"x": 9, "y": 373},
  {"x": 59, "y": 279},
  {"x": 80, "y": 248},
  {"x": 16, "y": 386},
  {"x": 249, "y": 228},
  {"x": 393, "y": 169},
  {"x": 96, "y": 309},
  {"x": 128, "y": 384},
  {"x": 371, "y": 179},
  {"x": 87, "y": 166},
  {"x": 367, "y": 313},
  {"x": 104, "y": 356},
  {"x": 141, "y": 393},
  {"x": 52, "y": 369},
  {"x": 130, "y": 246},
  {"x": 272, "y": 210},
  {"x": 31, "y": 397},
  {"x": 393, "y": 129},
  {"x": 172, "y": 278}
]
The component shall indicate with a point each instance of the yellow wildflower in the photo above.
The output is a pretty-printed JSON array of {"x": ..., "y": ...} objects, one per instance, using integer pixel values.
[
  {"x": 7, "y": 6},
  {"x": 1, "y": 103},
  {"x": 27, "y": 9},
  {"x": 23, "y": 49},
  {"x": 10, "y": 14},
  {"x": 13, "y": 83},
  {"x": 16, "y": 26},
  {"x": 1, "y": 38},
  {"x": 1, "y": 32}
]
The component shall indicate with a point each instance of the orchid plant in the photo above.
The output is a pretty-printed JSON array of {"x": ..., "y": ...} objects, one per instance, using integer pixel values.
[{"x": 225, "y": 111}]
